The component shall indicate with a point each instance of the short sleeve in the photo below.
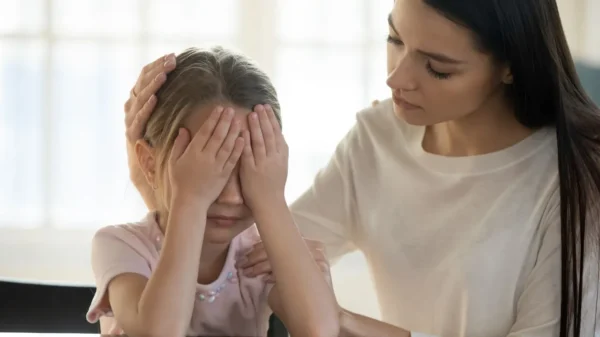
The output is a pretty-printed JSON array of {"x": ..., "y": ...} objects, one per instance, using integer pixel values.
[
  {"x": 325, "y": 211},
  {"x": 115, "y": 251},
  {"x": 538, "y": 307}
]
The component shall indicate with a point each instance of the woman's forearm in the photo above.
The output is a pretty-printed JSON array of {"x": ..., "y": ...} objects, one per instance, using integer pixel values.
[
  {"x": 355, "y": 325},
  {"x": 175, "y": 277},
  {"x": 305, "y": 295}
]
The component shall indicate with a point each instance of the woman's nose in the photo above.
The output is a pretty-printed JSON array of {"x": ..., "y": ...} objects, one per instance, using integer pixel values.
[{"x": 401, "y": 74}]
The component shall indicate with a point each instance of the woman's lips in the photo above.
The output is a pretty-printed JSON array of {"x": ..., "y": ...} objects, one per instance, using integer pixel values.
[{"x": 404, "y": 104}]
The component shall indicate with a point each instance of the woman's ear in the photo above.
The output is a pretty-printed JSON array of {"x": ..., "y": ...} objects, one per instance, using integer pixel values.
[
  {"x": 147, "y": 161},
  {"x": 507, "y": 77}
]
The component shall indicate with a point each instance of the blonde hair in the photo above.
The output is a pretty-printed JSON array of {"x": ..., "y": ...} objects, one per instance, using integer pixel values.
[{"x": 204, "y": 76}]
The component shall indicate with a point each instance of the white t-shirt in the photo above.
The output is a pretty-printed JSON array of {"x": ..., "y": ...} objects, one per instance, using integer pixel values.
[{"x": 457, "y": 246}]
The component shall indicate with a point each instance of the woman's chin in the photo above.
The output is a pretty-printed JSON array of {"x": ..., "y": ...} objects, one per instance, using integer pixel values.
[{"x": 416, "y": 117}]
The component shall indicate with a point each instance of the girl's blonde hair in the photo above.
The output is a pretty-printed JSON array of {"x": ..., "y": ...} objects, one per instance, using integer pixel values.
[{"x": 204, "y": 76}]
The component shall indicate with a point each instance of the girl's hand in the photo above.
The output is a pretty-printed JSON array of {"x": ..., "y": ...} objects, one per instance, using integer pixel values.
[
  {"x": 200, "y": 168},
  {"x": 256, "y": 262},
  {"x": 264, "y": 163},
  {"x": 138, "y": 109}
]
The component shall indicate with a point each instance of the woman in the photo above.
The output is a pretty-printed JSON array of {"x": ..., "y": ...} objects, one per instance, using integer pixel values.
[{"x": 470, "y": 191}]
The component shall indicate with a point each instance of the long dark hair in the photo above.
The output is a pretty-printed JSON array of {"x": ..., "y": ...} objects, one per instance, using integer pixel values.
[{"x": 528, "y": 36}]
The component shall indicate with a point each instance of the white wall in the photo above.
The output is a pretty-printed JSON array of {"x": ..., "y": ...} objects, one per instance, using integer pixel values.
[{"x": 581, "y": 22}]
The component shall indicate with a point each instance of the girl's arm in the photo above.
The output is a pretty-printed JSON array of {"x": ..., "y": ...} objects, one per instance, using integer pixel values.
[
  {"x": 307, "y": 301},
  {"x": 309, "y": 307},
  {"x": 355, "y": 325},
  {"x": 198, "y": 170},
  {"x": 154, "y": 307}
]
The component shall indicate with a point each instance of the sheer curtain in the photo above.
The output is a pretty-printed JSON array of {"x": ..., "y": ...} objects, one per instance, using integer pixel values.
[{"x": 66, "y": 67}]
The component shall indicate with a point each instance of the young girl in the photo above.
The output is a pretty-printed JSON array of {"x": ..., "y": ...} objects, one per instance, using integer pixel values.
[{"x": 217, "y": 163}]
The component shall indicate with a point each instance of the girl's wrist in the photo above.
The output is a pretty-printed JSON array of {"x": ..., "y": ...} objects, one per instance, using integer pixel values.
[
  {"x": 189, "y": 203},
  {"x": 270, "y": 204}
]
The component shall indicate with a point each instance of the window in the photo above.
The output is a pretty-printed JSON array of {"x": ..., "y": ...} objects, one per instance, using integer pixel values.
[{"x": 66, "y": 67}]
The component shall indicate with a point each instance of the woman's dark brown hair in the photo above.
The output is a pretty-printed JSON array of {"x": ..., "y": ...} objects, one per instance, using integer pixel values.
[{"x": 528, "y": 36}]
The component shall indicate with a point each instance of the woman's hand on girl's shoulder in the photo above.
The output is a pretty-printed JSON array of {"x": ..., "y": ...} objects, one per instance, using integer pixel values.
[{"x": 256, "y": 261}]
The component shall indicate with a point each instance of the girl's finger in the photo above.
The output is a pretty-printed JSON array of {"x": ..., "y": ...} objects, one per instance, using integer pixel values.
[
  {"x": 247, "y": 155},
  {"x": 206, "y": 130},
  {"x": 258, "y": 143},
  {"x": 226, "y": 149},
  {"x": 276, "y": 127},
  {"x": 220, "y": 132},
  {"x": 267, "y": 130}
]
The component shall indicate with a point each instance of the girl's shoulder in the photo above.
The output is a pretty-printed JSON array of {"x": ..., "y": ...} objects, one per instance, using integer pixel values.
[{"x": 143, "y": 237}]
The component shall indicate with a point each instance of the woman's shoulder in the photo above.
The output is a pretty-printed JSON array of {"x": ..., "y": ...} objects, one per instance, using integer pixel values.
[
  {"x": 377, "y": 129},
  {"x": 379, "y": 115}
]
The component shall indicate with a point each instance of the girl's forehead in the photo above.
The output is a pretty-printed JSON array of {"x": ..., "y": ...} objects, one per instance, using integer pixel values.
[{"x": 200, "y": 114}]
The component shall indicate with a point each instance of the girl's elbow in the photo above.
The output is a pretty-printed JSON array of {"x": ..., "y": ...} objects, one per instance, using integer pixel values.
[
  {"x": 156, "y": 331},
  {"x": 158, "y": 328}
]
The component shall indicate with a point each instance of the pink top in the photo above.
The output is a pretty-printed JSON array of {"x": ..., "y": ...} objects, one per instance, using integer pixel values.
[{"x": 232, "y": 305}]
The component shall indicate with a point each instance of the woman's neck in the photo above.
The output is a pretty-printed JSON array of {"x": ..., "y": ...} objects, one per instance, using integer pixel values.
[
  {"x": 491, "y": 129},
  {"x": 212, "y": 257}
]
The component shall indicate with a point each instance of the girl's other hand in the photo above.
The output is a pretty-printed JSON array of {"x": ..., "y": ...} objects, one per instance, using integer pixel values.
[{"x": 264, "y": 163}]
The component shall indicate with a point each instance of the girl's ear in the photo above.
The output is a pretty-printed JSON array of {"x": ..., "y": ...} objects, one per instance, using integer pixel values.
[{"x": 147, "y": 161}]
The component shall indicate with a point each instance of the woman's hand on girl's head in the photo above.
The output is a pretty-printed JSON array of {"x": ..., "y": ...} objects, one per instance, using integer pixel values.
[
  {"x": 199, "y": 167},
  {"x": 264, "y": 162},
  {"x": 138, "y": 109},
  {"x": 142, "y": 98}
]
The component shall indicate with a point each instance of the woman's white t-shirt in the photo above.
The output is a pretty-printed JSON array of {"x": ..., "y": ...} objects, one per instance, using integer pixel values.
[{"x": 457, "y": 246}]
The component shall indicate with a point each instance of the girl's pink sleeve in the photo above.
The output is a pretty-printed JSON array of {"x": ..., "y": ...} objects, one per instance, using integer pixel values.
[{"x": 115, "y": 250}]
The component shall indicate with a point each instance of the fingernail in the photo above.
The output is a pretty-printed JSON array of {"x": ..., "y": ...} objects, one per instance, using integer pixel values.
[
  {"x": 170, "y": 60},
  {"x": 254, "y": 115},
  {"x": 180, "y": 131},
  {"x": 160, "y": 77},
  {"x": 259, "y": 107},
  {"x": 152, "y": 99}
]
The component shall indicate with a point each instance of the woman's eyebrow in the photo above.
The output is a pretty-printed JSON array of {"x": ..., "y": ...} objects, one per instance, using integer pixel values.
[{"x": 435, "y": 56}]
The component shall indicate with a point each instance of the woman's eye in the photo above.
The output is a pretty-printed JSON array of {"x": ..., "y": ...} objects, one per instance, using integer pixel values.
[
  {"x": 394, "y": 41},
  {"x": 437, "y": 74}
]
